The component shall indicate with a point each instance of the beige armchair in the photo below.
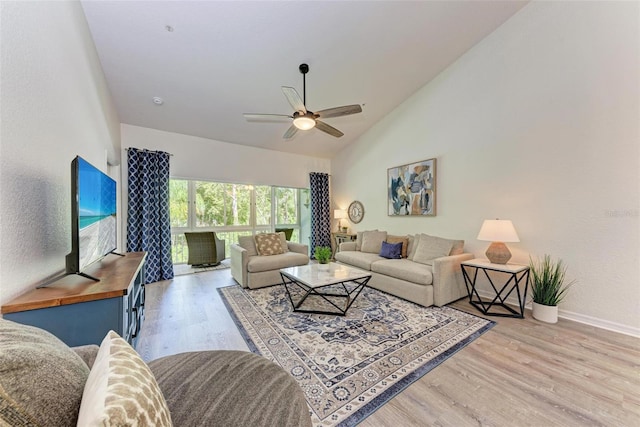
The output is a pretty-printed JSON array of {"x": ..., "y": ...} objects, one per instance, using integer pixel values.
[
  {"x": 253, "y": 271},
  {"x": 205, "y": 248}
]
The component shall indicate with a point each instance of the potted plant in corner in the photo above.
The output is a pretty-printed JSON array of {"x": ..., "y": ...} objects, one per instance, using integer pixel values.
[
  {"x": 548, "y": 288},
  {"x": 322, "y": 254}
]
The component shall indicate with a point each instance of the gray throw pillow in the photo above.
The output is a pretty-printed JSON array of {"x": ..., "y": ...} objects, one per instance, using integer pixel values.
[
  {"x": 41, "y": 378},
  {"x": 248, "y": 243},
  {"x": 372, "y": 241},
  {"x": 430, "y": 248}
]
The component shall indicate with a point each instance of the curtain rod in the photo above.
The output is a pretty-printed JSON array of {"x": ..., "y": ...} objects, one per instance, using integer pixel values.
[{"x": 147, "y": 150}]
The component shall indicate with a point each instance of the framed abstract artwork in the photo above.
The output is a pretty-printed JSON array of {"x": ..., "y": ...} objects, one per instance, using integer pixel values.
[{"x": 411, "y": 189}]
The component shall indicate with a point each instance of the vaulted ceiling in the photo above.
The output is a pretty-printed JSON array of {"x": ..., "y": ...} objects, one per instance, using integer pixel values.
[{"x": 212, "y": 61}]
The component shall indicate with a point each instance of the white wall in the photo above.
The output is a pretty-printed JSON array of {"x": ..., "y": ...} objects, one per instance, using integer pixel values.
[
  {"x": 207, "y": 159},
  {"x": 55, "y": 105},
  {"x": 538, "y": 123}
]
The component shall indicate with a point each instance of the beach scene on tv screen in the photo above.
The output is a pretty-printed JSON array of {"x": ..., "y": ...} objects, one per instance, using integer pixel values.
[{"x": 97, "y": 213}]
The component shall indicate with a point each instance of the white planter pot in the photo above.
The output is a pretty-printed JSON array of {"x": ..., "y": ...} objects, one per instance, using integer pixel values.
[{"x": 545, "y": 313}]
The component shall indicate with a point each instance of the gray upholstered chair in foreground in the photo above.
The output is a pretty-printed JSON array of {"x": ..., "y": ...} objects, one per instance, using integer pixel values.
[
  {"x": 46, "y": 383},
  {"x": 204, "y": 248}
]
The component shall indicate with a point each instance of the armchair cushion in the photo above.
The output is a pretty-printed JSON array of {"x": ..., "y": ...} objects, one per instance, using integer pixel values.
[
  {"x": 258, "y": 264},
  {"x": 229, "y": 388},
  {"x": 121, "y": 390},
  {"x": 248, "y": 243},
  {"x": 41, "y": 378}
]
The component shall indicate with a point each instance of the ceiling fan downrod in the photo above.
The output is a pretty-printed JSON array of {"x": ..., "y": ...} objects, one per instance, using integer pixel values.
[{"x": 304, "y": 69}]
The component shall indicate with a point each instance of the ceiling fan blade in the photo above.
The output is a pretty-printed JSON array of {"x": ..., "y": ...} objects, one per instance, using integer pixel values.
[
  {"x": 328, "y": 129},
  {"x": 266, "y": 117},
  {"x": 345, "y": 110},
  {"x": 290, "y": 133},
  {"x": 294, "y": 99}
]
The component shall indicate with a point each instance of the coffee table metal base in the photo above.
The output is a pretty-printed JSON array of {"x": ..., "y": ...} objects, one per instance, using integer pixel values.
[{"x": 349, "y": 296}]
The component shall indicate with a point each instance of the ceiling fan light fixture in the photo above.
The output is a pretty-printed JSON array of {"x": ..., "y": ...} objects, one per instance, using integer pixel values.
[{"x": 304, "y": 122}]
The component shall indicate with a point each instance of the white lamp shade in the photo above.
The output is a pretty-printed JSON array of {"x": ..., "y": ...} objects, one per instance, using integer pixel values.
[
  {"x": 339, "y": 214},
  {"x": 498, "y": 230}
]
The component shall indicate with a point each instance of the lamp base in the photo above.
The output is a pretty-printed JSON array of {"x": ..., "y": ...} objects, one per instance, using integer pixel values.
[{"x": 498, "y": 253}]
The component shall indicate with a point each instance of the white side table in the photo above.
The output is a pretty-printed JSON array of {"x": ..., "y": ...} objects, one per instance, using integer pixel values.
[{"x": 516, "y": 277}]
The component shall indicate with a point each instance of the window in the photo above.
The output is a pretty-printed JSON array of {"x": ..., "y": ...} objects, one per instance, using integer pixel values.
[{"x": 230, "y": 210}]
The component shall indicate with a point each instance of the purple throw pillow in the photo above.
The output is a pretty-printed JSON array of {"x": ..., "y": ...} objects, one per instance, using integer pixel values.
[{"x": 391, "y": 250}]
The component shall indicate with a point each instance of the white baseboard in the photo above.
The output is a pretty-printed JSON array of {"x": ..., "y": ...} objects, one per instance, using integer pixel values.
[{"x": 580, "y": 318}]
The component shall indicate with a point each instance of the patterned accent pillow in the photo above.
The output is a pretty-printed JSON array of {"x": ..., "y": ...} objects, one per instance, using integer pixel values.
[
  {"x": 391, "y": 250},
  {"x": 121, "y": 390},
  {"x": 430, "y": 248},
  {"x": 400, "y": 239},
  {"x": 268, "y": 244},
  {"x": 41, "y": 378}
]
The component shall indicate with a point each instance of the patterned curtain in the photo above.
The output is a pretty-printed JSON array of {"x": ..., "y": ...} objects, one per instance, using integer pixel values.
[
  {"x": 320, "y": 210},
  {"x": 148, "y": 224}
]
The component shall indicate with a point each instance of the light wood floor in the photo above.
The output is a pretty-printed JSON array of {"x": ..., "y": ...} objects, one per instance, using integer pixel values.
[{"x": 520, "y": 373}]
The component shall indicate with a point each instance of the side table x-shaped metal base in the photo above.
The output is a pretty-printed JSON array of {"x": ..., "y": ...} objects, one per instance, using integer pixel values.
[{"x": 517, "y": 275}]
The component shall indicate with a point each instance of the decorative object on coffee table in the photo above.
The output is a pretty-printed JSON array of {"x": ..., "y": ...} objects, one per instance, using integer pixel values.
[
  {"x": 498, "y": 231},
  {"x": 411, "y": 189},
  {"x": 548, "y": 288},
  {"x": 322, "y": 254},
  {"x": 356, "y": 212}
]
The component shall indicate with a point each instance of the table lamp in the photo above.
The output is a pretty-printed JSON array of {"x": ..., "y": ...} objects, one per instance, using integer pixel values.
[
  {"x": 340, "y": 214},
  {"x": 498, "y": 231}
]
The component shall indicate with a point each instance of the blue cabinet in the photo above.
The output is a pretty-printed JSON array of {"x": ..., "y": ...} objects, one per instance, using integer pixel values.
[{"x": 80, "y": 311}]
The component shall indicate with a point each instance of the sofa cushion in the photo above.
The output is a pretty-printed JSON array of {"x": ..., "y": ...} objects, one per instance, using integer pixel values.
[
  {"x": 41, "y": 378},
  {"x": 248, "y": 243},
  {"x": 457, "y": 248},
  {"x": 361, "y": 260},
  {"x": 430, "y": 248},
  {"x": 372, "y": 241},
  {"x": 400, "y": 239},
  {"x": 121, "y": 390},
  {"x": 269, "y": 244},
  {"x": 391, "y": 250},
  {"x": 257, "y": 264},
  {"x": 405, "y": 269},
  {"x": 413, "y": 244}
]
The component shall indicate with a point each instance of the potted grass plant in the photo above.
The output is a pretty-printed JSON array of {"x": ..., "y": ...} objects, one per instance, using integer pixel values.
[
  {"x": 548, "y": 287},
  {"x": 322, "y": 254}
]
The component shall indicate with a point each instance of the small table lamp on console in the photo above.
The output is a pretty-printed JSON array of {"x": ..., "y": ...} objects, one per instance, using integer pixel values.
[
  {"x": 340, "y": 214},
  {"x": 498, "y": 231}
]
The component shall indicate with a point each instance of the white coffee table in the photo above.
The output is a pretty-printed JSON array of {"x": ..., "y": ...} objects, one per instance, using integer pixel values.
[{"x": 345, "y": 283}]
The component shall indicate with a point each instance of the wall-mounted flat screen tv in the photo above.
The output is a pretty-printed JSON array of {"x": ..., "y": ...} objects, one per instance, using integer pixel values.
[{"x": 93, "y": 216}]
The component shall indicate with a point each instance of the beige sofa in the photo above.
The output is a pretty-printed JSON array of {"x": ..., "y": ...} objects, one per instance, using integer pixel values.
[
  {"x": 254, "y": 271},
  {"x": 428, "y": 274}
]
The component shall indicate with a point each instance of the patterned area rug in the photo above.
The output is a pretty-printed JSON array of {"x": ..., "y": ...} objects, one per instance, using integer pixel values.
[{"x": 350, "y": 366}]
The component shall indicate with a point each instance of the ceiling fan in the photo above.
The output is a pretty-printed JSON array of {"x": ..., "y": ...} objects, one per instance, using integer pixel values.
[{"x": 304, "y": 119}]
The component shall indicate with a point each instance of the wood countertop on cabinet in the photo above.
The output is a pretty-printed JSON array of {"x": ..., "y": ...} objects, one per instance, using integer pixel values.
[{"x": 114, "y": 271}]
